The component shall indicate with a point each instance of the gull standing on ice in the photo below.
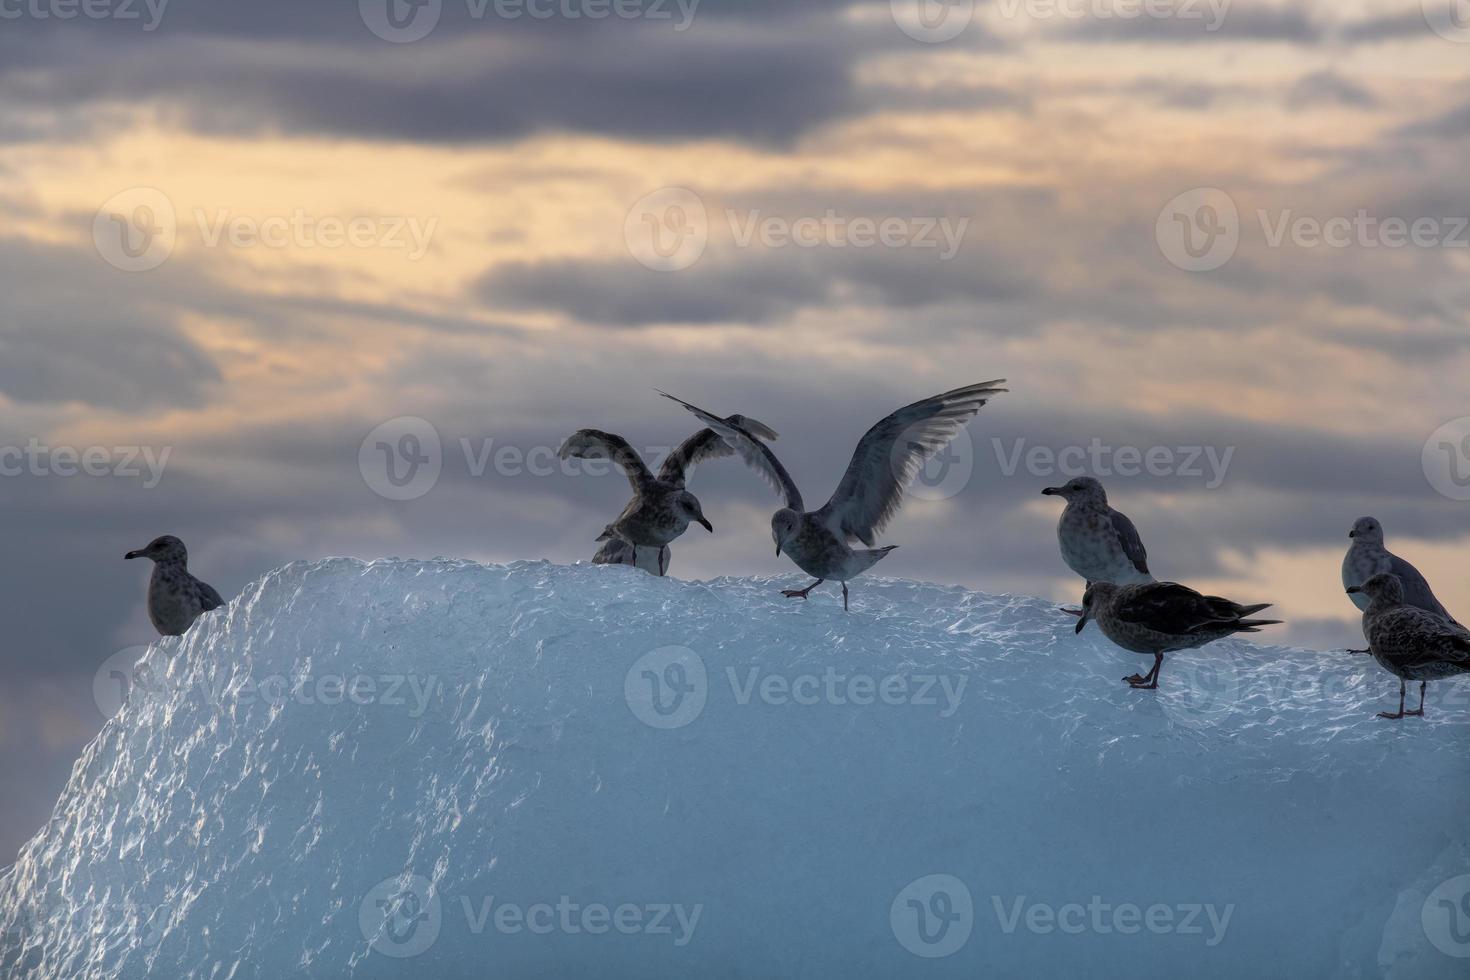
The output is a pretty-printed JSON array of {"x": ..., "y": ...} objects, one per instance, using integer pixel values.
[
  {"x": 1163, "y": 617},
  {"x": 1367, "y": 557},
  {"x": 885, "y": 462},
  {"x": 1098, "y": 543},
  {"x": 175, "y": 598},
  {"x": 1408, "y": 641},
  {"x": 704, "y": 445}
]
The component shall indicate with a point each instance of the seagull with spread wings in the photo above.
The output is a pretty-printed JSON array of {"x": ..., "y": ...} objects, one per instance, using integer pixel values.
[
  {"x": 661, "y": 508},
  {"x": 886, "y": 461}
]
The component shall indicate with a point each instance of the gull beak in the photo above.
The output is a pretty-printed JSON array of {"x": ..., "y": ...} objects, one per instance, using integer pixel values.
[
  {"x": 132, "y": 554},
  {"x": 1355, "y": 590},
  {"x": 1082, "y": 620},
  {"x": 707, "y": 525},
  {"x": 1051, "y": 491},
  {"x": 778, "y": 549}
]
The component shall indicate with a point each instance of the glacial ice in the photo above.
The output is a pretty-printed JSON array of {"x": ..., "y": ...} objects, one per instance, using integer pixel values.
[{"x": 444, "y": 769}]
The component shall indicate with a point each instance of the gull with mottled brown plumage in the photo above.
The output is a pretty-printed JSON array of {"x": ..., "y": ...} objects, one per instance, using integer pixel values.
[{"x": 661, "y": 508}]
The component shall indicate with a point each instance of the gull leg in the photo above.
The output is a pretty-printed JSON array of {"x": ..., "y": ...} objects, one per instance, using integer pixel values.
[
  {"x": 1419, "y": 712},
  {"x": 1359, "y": 651},
  {"x": 801, "y": 593},
  {"x": 663, "y": 560},
  {"x": 1385, "y": 714},
  {"x": 1151, "y": 681},
  {"x": 844, "y": 609}
]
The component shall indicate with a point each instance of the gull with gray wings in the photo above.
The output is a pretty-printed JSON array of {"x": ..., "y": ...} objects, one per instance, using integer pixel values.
[
  {"x": 175, "y": 597},
  {"x": 661, "y": 508},
  {"x": 704, "y": 445},
  {"x": 886, "y": 461}
]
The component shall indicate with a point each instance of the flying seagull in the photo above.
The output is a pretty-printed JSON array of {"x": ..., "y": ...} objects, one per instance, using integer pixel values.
[
  {"x": 1164, "y": 617},
  {"x": 704, "y": 445},
  {"x": 1409, "y": 642},
  {"x": 886, "y": 461},
  {"x": 175, "y": 598}
]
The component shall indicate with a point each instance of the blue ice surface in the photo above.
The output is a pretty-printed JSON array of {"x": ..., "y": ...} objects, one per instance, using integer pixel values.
[{"x": 445, "y": 769}]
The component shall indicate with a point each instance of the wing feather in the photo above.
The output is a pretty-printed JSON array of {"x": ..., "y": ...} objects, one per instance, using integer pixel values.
[
  {"x": 756, "y": 454},
  {"x": 596, "y": 444},
  {"x": 890, "y": 455},
  {"x": 1132, "y": 542},
  {"x": 707, "y": 444}
]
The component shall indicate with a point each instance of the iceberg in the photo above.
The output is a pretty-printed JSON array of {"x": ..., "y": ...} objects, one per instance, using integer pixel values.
[{"x": 446, "y": 769}]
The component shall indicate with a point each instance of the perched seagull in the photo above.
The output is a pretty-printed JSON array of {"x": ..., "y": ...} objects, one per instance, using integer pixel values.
[
  {"x": 1098, "y": 543},
  {"x": 703, "y": 445},
  {"x": 1408, "y": 641},
  {"x": 175, "y": 598},
  {"x": 1163, "y": 617},
  {"x": 1367, "y": 557},
  {"x": 885, "y": 462}
]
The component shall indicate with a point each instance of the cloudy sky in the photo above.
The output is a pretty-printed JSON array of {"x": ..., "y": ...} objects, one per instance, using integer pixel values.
[{"x": 1218, "y": 249}]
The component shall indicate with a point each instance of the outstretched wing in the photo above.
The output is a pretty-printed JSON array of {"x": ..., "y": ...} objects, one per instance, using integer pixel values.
[
  {"x": 707, "y": 444},
  {"x": 208, "y": 597},
  {"x": 596, "y": 444},
  {"x": 757, "y": 454},
  {"x": 1132, "y": 543},
  {"x": 891, "y": 454}
]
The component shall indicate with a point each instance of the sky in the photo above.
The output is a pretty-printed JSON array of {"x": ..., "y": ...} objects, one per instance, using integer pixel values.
[{"x": 298, "y": 280}]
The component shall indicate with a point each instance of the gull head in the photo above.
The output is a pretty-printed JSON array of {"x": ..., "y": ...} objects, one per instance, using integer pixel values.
[
  {"x": 1383, "y": 588},
  {"x": 784, "y": 525},
  {"x": 686, "y": 505},
  {"x": 1367, "y": 529},
  {"x": 1082, "y": 489},
  {"x": 162, "y": 549},
  {"x": 1096, "y": 594}
]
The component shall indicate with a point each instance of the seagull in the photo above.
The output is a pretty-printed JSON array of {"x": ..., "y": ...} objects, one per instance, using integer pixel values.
[
  {"x": 1367, "y": 557},
  {"x": 1408, "y": 641},
  {"x": 175, "y": 598},
  {"x": 885, "y": 462},
  {"x": 703, "y": 445},
  {"x": 1098, "y": 543},
  {"x": 1164, "y": 617}
]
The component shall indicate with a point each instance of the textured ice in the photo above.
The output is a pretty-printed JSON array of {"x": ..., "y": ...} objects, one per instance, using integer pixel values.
[{"x": 521, "y": 804}]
